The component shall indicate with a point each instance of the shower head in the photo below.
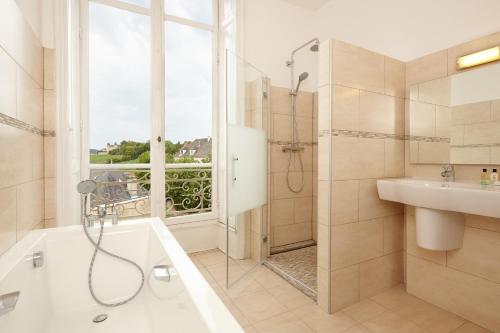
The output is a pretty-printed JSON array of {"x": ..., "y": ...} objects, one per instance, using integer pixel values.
[
  {"x": 86, "y": 187},
  {"x": 314, "y": 48},
  {"x": 302, "y": 77}
]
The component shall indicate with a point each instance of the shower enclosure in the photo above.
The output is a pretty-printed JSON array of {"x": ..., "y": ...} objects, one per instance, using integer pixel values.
[{"x": 271, "y": 170}]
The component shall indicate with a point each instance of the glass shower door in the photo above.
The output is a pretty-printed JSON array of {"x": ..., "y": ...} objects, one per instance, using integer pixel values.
[{"x": 246, "y": 167}]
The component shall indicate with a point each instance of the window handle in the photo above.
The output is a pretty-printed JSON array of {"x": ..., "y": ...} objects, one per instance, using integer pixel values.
[{"x": 158, "y": 138}]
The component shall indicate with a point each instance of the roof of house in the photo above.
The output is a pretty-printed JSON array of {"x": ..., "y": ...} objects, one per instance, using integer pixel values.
[{"x": 202, "y": 148}]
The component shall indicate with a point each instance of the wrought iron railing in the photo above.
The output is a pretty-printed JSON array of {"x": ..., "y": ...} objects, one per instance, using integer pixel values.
[{"x": 188, "y": 188}]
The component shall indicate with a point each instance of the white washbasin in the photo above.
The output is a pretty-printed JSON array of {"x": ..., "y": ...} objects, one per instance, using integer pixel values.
[{"x": 455, "y": 197}]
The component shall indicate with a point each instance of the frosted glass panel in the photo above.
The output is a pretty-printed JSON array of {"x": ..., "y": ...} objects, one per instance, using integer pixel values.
[{"x": 247, "y": 172}]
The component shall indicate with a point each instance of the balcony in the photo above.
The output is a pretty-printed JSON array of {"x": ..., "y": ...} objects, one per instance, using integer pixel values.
[{"x": 188, "y": 188}]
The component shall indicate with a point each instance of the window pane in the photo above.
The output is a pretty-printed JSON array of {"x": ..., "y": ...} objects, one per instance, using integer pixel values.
[
  {"x": 119, "y": 86},
  {"x": 188, "y": 118},
  {"x": 196, "y": 10},
  {"x": 142, "y": 3}
]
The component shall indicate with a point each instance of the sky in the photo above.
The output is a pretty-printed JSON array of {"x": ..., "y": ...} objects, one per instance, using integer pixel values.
[{"x": 119, "y": 47}]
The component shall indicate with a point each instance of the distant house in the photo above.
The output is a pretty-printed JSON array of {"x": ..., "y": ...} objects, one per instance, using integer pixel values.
[
  {"x": 199, "y": 149},
  {"x": 110, "y": 147}
]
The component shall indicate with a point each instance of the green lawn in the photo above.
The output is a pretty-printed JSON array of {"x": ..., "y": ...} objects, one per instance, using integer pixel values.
[{"x": 105, "y": 159}]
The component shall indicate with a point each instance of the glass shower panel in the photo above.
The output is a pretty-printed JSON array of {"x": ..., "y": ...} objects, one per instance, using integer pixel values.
[{"x": 246, "y": 167}]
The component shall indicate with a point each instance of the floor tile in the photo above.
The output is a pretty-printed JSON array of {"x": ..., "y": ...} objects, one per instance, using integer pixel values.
[
  {"x": 321, "y": 322},
  {"x": 389, "y": 322},
  {"x": 284, "y": 323},
  {"x": 364, "y": 310},
  {"x": 289, "y": 296},
  {"x": 259, "y": 306},
  {"x": 471, "y": 328}
]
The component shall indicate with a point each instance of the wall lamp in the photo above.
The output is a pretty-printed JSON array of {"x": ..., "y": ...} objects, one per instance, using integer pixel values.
[{"x": 479, "y": 58}]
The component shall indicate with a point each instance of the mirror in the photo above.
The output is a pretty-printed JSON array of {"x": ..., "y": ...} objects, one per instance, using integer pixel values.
[{"x": 456, "y": 119}]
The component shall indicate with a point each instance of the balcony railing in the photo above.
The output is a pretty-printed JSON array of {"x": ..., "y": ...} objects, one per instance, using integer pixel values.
[{"x": 188, "y": 188}]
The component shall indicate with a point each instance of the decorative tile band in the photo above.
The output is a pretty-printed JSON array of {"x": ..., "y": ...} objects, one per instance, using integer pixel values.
[
  {"x": 13, "y": 122},
  {"x": 284, "y": 143},
  {"x": 376, "y": 135},
  {"x": 477, "y": 145}
]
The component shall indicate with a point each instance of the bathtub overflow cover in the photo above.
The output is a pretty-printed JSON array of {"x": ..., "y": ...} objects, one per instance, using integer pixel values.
[{"x": 100, "y": 318}]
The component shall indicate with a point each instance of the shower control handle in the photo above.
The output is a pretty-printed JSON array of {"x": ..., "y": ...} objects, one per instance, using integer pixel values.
[{"x": 235, "y": 159}]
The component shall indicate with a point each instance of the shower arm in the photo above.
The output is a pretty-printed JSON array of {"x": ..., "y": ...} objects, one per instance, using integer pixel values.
[{"x": 291, "y": 62}]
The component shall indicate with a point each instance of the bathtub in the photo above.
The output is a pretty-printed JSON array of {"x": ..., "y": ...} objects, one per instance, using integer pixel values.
[{"x": 55, "y": 297}]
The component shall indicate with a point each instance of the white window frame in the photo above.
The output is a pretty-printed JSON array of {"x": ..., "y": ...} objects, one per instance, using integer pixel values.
[{"x": 158, "y": 18}]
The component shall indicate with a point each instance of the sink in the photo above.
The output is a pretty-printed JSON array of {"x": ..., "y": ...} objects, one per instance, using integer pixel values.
[{"x": 440, "y": 207}]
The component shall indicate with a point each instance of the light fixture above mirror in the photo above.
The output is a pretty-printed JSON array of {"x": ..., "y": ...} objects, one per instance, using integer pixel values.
[{"x": 479, "y": 58}]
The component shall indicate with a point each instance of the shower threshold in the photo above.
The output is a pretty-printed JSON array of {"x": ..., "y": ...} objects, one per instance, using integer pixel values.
[{"x": 293, "y": 246}]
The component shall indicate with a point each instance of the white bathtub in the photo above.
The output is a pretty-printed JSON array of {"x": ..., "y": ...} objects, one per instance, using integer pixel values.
[{"x": 55, "y": 298}]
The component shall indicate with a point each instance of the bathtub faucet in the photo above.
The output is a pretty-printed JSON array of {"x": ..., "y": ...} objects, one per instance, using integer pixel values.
[{"x": 87, "y": 188}]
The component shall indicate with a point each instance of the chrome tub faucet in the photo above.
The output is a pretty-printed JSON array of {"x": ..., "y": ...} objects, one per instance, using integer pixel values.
[{"x": 448, "y": 173}]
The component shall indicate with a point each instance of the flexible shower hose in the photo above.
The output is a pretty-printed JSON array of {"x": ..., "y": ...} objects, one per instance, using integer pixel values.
[
  {"x": 294, "y": 139},
  {"x": 97, "y": 248}
]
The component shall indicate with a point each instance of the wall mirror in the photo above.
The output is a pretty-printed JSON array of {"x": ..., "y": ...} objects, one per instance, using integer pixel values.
[{"x": 456, "y": 119}]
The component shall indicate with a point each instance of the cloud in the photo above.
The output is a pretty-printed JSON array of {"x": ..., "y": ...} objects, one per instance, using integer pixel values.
[{"x": 120, "y": 76}]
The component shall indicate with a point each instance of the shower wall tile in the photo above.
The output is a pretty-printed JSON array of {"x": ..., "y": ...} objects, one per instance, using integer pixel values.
[
  {"x": 8, "y": 86},
  {"x": 367, "y": 234},
  {"x": 22, "y": 192},
  {"x": 8, "y": 211},
  {"x": 358, "y": 68},
  {"x": 427, "y": 68},
  {"x": 292, "y": 233},
  {"x": 280, "y": 187}
]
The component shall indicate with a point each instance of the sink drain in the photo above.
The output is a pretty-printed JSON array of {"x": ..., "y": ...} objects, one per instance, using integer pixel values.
[{"x": 100, "y": 318}]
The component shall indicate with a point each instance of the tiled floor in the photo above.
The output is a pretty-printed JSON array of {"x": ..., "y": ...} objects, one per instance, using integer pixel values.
[
  {"x": 298, "y": 267},
  {"x": 264, "y": 302}
]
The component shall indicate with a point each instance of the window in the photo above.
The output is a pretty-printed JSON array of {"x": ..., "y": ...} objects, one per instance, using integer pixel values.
[{"x": 123, "y": 120}]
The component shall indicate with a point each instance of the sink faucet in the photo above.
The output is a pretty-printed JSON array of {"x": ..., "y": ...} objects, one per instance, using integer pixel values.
[{"x": 448, "y": 173}]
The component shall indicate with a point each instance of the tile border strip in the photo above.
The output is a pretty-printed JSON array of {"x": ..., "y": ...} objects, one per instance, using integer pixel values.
[
  {"x": 284, "y": 143},
  {"x": 376, "y": 135},
  {"x": 16, "y": 123},
  {"x": 477, "y": 145}
]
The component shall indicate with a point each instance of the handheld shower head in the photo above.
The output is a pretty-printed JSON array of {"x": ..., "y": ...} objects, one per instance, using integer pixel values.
[
  {"x": 86, "y": 187},
  {"x": 302, "y": 77},
  {"x": 314, "y": 48}
]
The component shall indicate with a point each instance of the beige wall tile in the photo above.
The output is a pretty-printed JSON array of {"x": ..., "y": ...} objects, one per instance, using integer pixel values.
[
  {"x": 345, "y": 287},
  {"x": 443, "y": 121},
  {"x": 38, "y": 156},
  {"x": 495, "y": 110},
  {"x": 381, "y": 113},
  {"x": 345, "y": 201},
  {"x": 49, "y": 110},
  {"x": 29, "y": 100},
  {"x": 479, "y": 255},
  {"x": 380, "y": 273},
  {"x": 323, "y": 289},
  {"x": 358, "y": 68},
  {"x": 293, "y": 233},
  {"x": 324, "y": 59},
  {"x": 324, "y": 143},
  {"x": 49, "y": 74},
  {"x": 280, "y": 100},
  {"x": 345, "y": 110},
  {"x": 302, "y": 210},
  {"x": 324, "y": 108},
  {"x": 395, "y": 72},
  {"x": 394, "y": 158},
  {"x": 471, "y": 297},
  {"x": 280, "y": 187},
  {"x": 354, "y": 158},
  {"x": 484, "y": 133},
  {"x": 433, "y": 152},
  {"x": 356, "y": 242},
  {"x": 8, "y": 85},
  {"x": 482, "y": 222},
  {"x": 472, "y": 113},
  {"x": 427, "y": 68},
  {"x": 370, "y": 206},
  {"x": 393, "y": 233},
  {"x": 495, "y": 155},
  {"x": 468, "y": 155},
  {"x": 323, "y": 246},
  {"x": 30, "y": 206},
  {"x": 8, "y": 213},
  {"x": 50, "y": 198},
  {"x": 282, "y": 128},
  {"x": 324, "y": 189},
  {"x": 16, "y": 165},
  {"x": 436, "y": 92},
  {"x": 23, "y": 46},
  {"x": 49, "y": 147},
  {"x": 438, "y": 257},
  {"x": 281, "y": 212},
  {"x": 422, "y": 119}
]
